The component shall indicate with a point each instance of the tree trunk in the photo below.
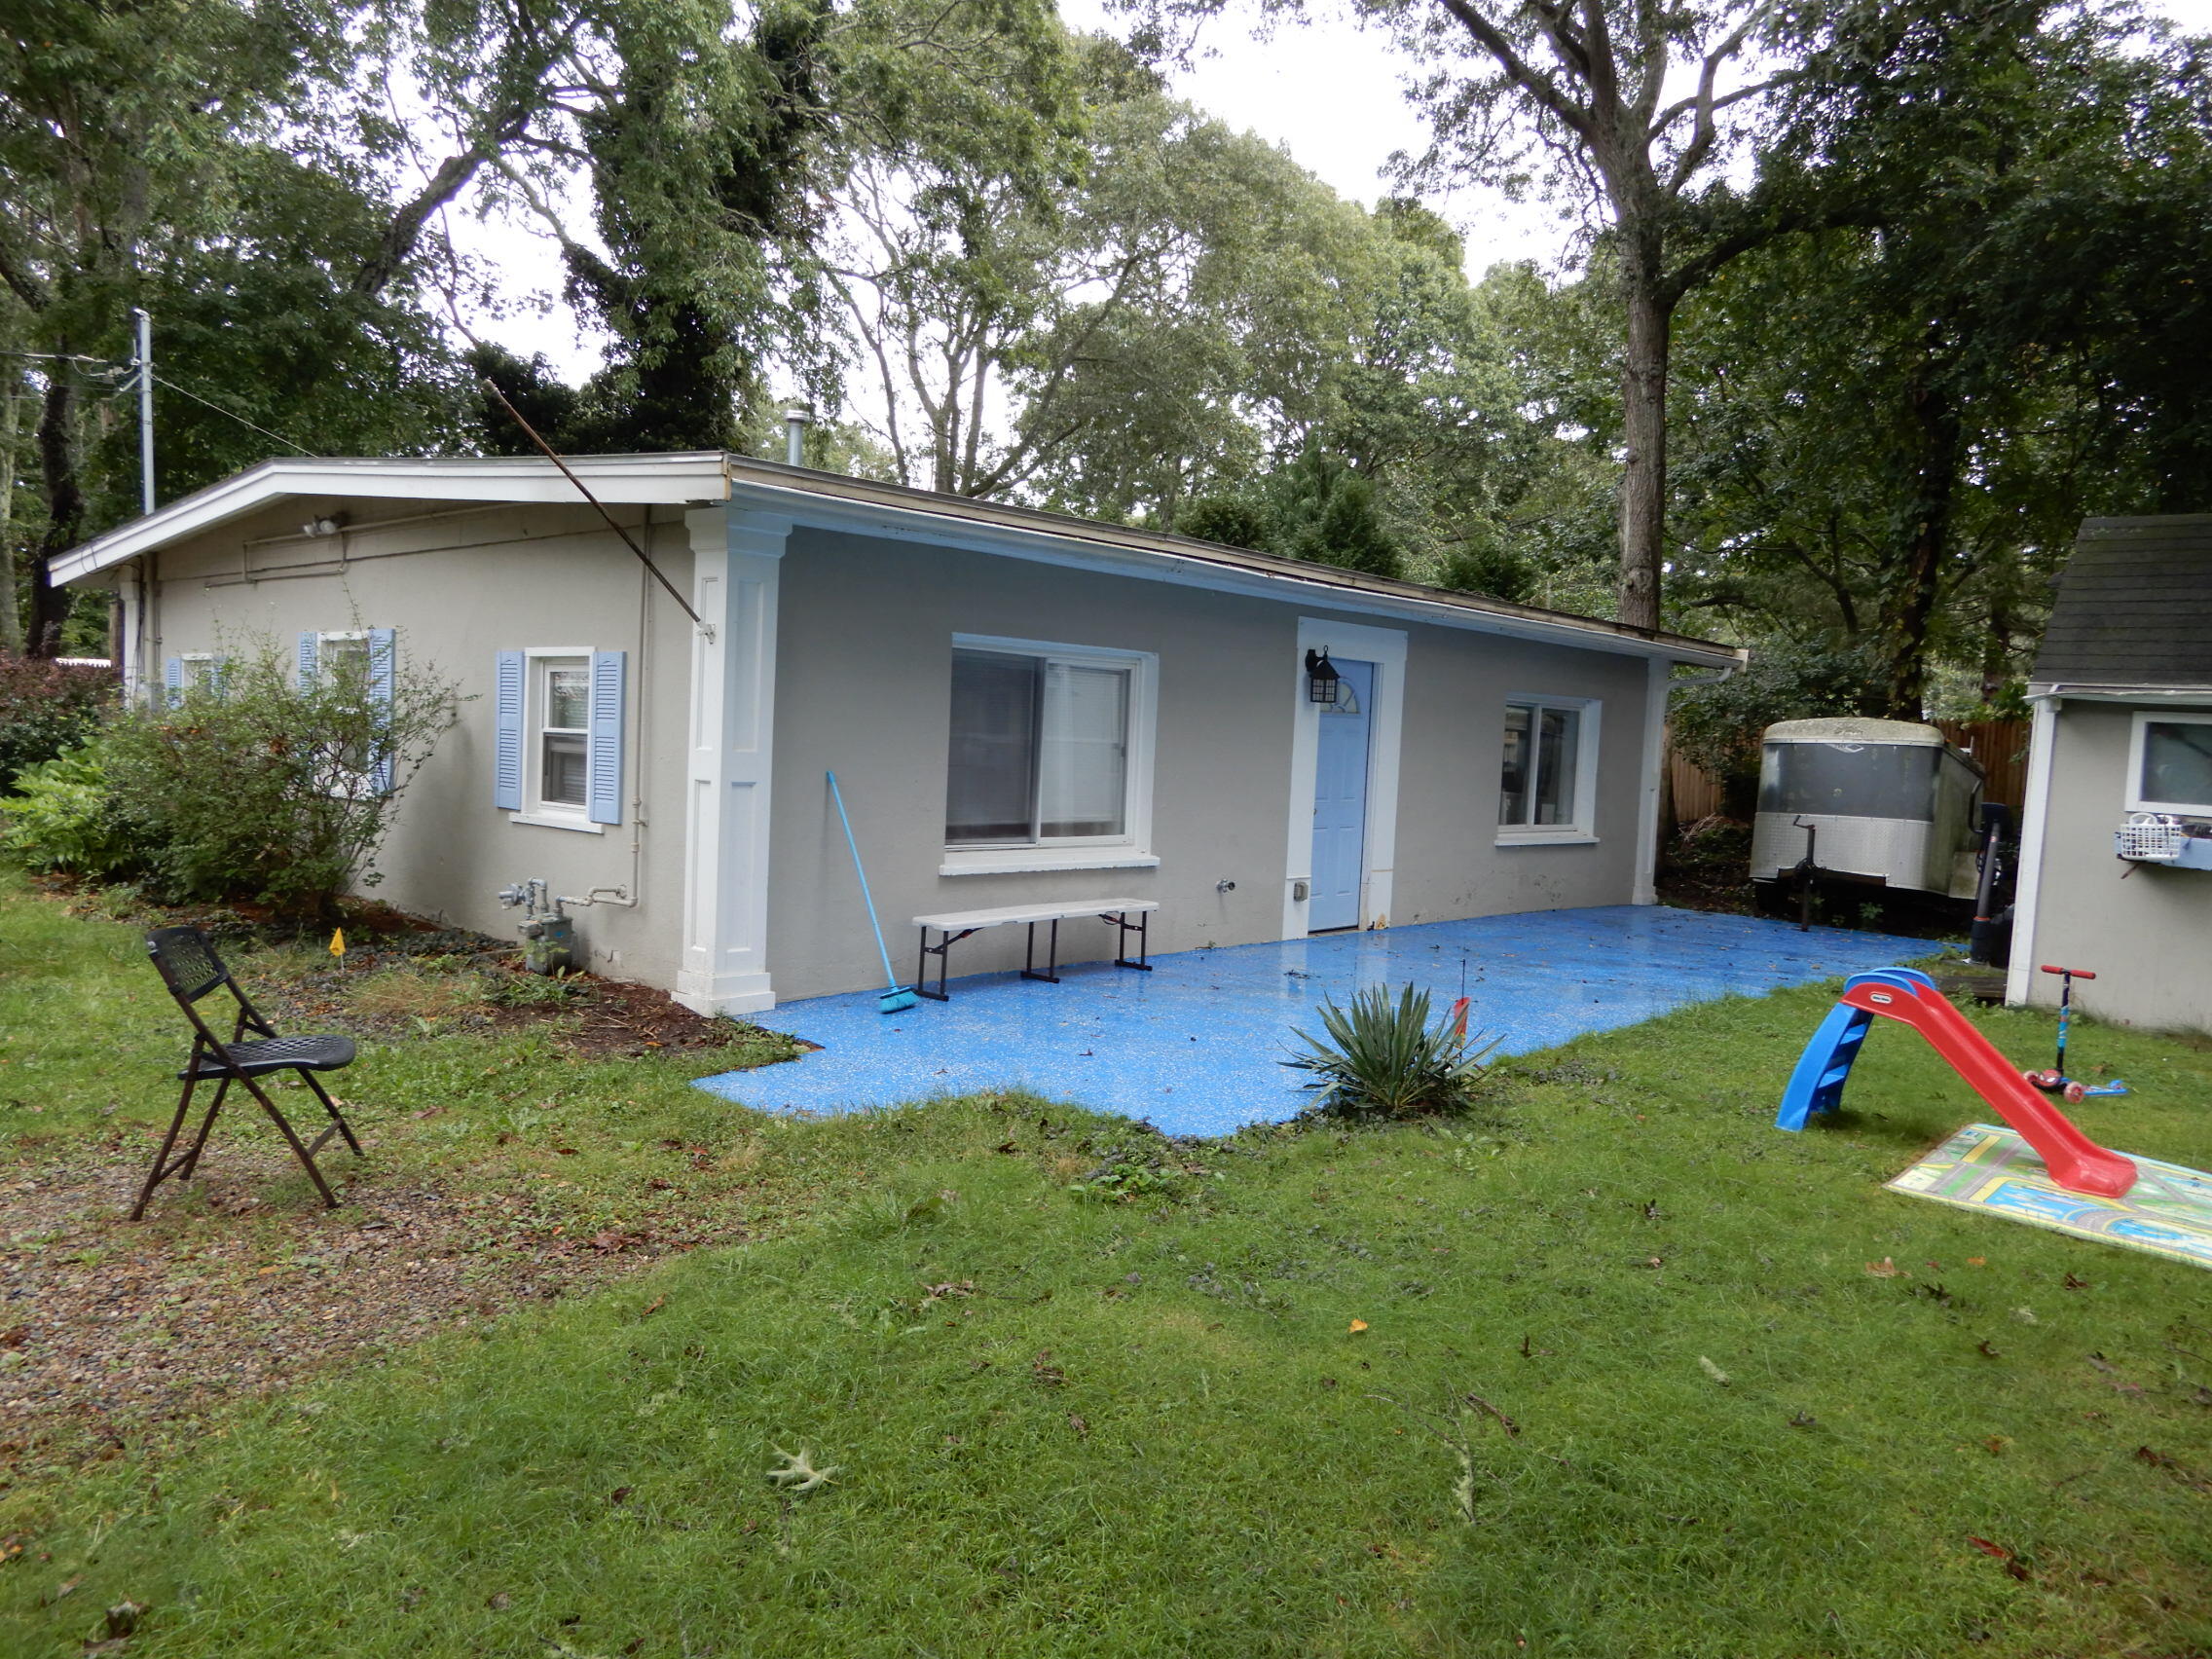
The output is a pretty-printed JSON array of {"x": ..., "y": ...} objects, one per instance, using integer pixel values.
[
  {"x": 1928, "y": 544},
  {"x": 65, "y": 512},
  {"x": 11, "y": 614},
  {"x": 1997, "y": 650},
  {"x": 1643, "y": 407}
]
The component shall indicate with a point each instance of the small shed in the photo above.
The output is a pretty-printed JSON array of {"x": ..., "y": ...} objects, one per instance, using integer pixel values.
[{"x": 2115, "y": 851}]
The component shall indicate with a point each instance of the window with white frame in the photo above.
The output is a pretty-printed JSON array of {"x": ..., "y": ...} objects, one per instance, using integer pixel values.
[
  {"x": 560, "y": 733},
  {"x": 2169, "y": 766},
  {"x": 1050, "y": 748},
  {"x": 198, "y": 670},
  {"x": 357, "y": 662},
  {"x": 557, "y": 736},
  {"x": 1547, "y": 781}
]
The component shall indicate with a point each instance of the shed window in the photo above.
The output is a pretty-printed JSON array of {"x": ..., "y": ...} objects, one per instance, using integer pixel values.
[
  {"x": 2171, "y": 763},
  {"x": 1045, "y": 747},
  {"x": 1547, "y": 778}
]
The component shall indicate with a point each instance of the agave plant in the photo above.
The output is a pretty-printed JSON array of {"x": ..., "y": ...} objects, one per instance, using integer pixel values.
[{"x": 1385, "y": 1059}]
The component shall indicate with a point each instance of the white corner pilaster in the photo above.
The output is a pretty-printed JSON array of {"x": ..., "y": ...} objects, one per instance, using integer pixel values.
[
  {"x": 2035, "y": 825},
  {"x": 737, "y": 558},
  {"x": 1646, "y": 890}
]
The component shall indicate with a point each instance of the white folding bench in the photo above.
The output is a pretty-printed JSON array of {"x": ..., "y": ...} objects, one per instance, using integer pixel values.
[{"x": 1127, "y": 915}]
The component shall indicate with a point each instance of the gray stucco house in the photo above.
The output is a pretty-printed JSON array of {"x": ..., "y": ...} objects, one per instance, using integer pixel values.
[
  {"x": 1023, "y": 708},
  {"x": 2115, "y": 851}
]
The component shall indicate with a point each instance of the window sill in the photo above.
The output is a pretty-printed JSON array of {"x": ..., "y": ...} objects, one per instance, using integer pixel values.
[
  {"x": 1549, "y": 838},
  {"x": 544, "y": 822},
  {"x": 1014, "y": 861}
]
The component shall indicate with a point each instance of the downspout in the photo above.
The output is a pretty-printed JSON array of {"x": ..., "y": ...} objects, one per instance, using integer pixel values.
[
  {"x": 1660, "y": 687},
  {"x": 2034, "y": 818}
]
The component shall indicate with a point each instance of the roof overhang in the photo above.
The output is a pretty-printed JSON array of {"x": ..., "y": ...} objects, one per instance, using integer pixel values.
[
  {"x": 649, "y": 479},
  {"x": 864, "y": 506},
  {"x": 2074, "y": 691}
]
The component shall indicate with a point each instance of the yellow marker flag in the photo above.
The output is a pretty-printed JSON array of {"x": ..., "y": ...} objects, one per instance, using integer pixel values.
[{"x": 338, "y": 944}]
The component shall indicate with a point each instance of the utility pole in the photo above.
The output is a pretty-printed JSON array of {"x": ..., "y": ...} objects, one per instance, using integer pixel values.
[{"x": 143, "y": 362}]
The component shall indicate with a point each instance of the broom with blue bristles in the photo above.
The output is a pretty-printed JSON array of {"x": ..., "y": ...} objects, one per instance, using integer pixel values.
[{"x": 898, "y": 997}]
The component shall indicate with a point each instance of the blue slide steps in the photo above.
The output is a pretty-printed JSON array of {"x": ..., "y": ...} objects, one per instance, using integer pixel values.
[{"x": 1816, "y": 1085}]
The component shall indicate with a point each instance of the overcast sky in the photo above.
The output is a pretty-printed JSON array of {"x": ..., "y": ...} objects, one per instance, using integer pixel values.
[{"x": 1330, "y": 93}]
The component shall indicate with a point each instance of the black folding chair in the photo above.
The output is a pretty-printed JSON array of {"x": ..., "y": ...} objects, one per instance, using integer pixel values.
[{"x": 189, "y": 965}]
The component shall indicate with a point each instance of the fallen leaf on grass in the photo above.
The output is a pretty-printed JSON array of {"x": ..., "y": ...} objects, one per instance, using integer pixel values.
[
  {"x": 2173, "y": 1466},
  {"x": 1997, "y": 1443},
  {"x": 1886, "y": 1268},
  {"x": 1358, "y": 1326},
  {"x": 2073, "y": 1283},
  {"x": 1713, "y": 1371},
  {"x": 1977, "y": 1261},
  {"x": 796, "y": 1474},
  {"x": 1998, "y": 1552},
  {"x": 1983, "y": 1349},
  {"x": 620, "y": 1495},
  {"x": 1046, "y": 1374},
  {"x": 1076, "y": 1422},
  {"x": 499, "y": 1602}
]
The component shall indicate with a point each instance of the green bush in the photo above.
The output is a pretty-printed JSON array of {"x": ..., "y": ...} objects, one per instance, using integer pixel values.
[
  {"x": 47, "y": 710},
  {"x": 62, "y": 817},
  {"x": 1387, "y": 1061},
  {"x": 255, "y": 787}
]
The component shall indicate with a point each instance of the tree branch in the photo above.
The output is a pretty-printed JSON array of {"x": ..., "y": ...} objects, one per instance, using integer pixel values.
[{"x": 1530, "y": 79}]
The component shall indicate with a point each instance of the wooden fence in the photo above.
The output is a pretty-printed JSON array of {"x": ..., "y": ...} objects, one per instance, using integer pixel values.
[{"x": 2000, "y": 745}]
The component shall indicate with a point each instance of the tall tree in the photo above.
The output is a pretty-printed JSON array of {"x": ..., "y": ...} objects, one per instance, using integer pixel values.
[
  {"x": 1637, "y": 106},
  {"x": 1893, "y": 432},
  {"x": 179, "y": 157}
]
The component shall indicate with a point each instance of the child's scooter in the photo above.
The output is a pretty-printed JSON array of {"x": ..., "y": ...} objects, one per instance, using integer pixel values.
[{"x": 2056, "y": 1081}]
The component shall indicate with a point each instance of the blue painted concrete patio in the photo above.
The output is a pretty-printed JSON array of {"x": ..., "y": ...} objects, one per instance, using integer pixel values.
[{"x": 1195, "y": 1046}]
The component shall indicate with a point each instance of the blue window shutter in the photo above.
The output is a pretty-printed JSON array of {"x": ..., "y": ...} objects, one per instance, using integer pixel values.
[
  {"x": 382, "y": 647},
  {"x": 309, "y": 651},
  {"x": 603, "y": 754},
  {"x": 172, "y": 679},
  {"x": 506, "y": 734},
  {"x": 219, "y": 675}
]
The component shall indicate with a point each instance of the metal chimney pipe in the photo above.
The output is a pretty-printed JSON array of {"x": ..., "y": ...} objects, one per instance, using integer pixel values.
[{"x": 796, "y": 418}]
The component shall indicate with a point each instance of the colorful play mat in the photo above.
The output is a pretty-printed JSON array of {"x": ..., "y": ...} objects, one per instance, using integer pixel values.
[{"x": 2168, "y": 1212}]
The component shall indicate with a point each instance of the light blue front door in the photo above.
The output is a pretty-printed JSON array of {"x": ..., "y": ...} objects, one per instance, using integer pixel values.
[{"x": 1339, "y": 800}]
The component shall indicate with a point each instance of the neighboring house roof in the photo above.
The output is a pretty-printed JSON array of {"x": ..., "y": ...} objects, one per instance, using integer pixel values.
[
  {"x": 2134, "y": 607},
  {"x": 833, "y": 501}
]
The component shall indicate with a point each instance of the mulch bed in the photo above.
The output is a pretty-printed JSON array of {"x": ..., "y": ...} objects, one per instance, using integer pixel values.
[
  {"x": 599, "y": 1020},
  {"x": 110, "y": 1328}
]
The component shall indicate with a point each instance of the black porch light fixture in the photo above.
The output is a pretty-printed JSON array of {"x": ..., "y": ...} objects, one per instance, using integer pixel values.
[{"x": 1321, "y": 676}]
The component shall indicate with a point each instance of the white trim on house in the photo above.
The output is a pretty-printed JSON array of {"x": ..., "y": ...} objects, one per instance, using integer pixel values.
[
  {"x": 736, "y": 575},
  {"x": 864, "y": 506},
  {"x": 1582, "y": 830},
  {"x": 2137, "y": 728},
  {"x": 1129, "y": 850},
  {"x": 1658, "y": 688},
  {"x": 1385, "y": 649},
  {"x": 2035, "y": 819},
  {"x": 832, "y": 503}
]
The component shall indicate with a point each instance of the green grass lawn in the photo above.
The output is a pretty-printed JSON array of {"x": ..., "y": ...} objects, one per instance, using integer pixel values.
[{"x": 1625, "y": 1384}]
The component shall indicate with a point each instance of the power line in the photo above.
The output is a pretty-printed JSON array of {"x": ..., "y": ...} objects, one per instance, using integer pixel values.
[{"x": 159, "y": 380}]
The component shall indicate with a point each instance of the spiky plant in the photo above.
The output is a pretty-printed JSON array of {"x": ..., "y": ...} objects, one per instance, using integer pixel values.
[{"x": 1385, "y": 1059}]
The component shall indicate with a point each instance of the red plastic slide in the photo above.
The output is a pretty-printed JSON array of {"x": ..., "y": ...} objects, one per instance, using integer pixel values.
[{"x": 2075, "y": 1162}]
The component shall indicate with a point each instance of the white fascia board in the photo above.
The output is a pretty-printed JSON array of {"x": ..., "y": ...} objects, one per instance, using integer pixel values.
[
  {"x": 1162, "y": 565},
  {"x": 669, "y": 480},
  {"x": 2187, "y": 696}
]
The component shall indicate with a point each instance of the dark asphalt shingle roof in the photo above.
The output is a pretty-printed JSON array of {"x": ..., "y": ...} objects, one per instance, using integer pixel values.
[{"x": 2134, "y": 605}]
